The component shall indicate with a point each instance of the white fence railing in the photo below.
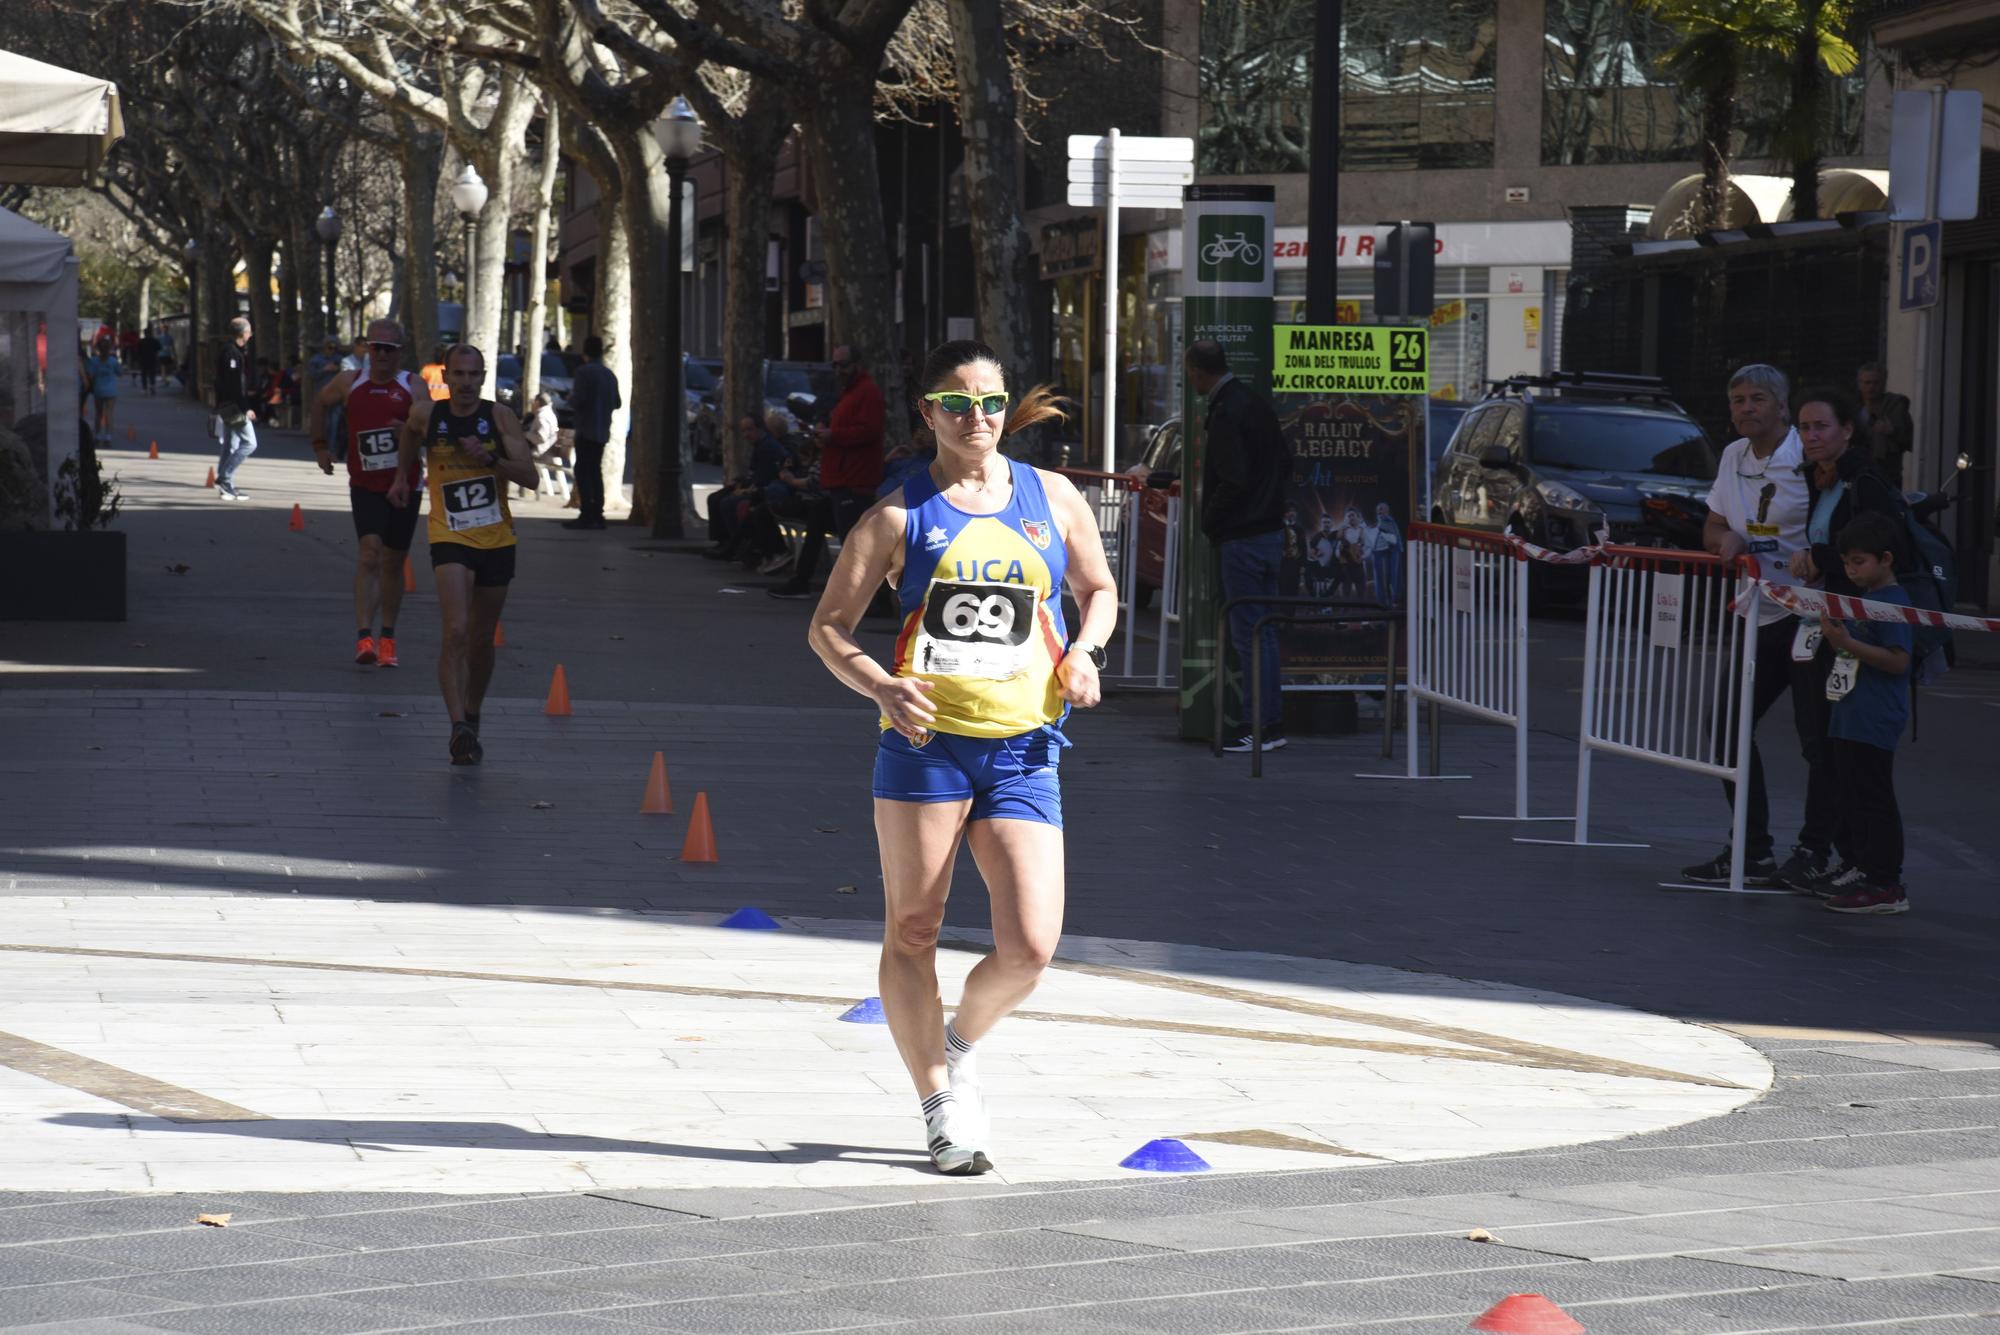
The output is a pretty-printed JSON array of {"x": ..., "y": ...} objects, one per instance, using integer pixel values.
[
  {"x": 1669, "y": 674},
  {"x": 1468, "y": 641},
  {"x": 1121, "y": 504}
]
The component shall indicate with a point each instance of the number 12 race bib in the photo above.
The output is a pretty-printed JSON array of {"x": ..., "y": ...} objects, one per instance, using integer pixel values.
[
  {"x": 473, "y": 502},
  {"x": 975, "y": 630},
  {"x": 377, "y": 449}
]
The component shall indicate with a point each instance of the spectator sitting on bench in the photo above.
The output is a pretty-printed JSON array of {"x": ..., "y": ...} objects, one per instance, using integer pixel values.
[
  {"x": 739, "y": 518},
  {"x": 544, "y": 441}
]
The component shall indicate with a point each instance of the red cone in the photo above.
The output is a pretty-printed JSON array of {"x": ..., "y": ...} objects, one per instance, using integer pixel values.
[{"x": 1527, "y": 1314}]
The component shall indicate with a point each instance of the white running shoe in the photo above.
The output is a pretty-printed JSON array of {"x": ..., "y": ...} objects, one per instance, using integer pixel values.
[
  {"x": 951, "y": 1150},
  {"x": 975, "y": 1119}
]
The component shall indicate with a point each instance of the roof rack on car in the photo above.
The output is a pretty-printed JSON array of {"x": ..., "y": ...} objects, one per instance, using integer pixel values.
[{"x": 1607, "y": 384}]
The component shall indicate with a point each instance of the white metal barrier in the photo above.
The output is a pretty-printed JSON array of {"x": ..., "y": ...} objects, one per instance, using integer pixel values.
[
  {"x": 1119, "y": 502},
  {"x": 1468, "y": 641},
  {"x": 1669, "y": 674}
]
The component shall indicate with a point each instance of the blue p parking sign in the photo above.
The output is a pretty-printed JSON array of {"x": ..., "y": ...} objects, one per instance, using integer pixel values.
[{"x": 1922, "y": 261}]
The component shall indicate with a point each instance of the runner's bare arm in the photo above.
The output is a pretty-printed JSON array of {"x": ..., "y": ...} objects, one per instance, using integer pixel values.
[
  {"x": 515, "y": 461},
  {"x": 334, "y": 391},
  {"x": 409, "y": 456},
  {"x": 1090, "y": 581},
  {"x": 866, "y": 557}
]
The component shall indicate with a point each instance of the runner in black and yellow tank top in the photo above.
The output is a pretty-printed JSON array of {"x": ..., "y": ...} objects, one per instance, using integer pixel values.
[
  {"x": 470, "y": 449},
  {"x": 979, "y": 549}
]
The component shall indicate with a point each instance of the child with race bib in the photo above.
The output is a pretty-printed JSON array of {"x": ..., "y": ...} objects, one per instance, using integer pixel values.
[{"x": 1870, "y": 690}]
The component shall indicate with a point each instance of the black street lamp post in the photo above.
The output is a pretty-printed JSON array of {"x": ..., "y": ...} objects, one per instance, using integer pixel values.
[
  {"x": 468, "y": 196},
  {"x": 328, "y": 227},
  {"x": 679, "y": 133}
]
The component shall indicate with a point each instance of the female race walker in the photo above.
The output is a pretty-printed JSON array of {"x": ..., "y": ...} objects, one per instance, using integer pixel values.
[{"x": 977, "y": 548}]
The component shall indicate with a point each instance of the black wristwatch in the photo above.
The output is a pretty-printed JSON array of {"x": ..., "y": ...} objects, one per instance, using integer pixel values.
[{"x": 1097, "y": 655}]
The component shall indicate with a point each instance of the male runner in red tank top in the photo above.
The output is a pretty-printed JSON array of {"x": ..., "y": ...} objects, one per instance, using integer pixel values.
[{"x": 375, "y": 407}]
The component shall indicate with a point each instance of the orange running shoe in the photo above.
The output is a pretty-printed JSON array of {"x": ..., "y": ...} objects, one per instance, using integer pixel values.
[
  {"x": 364, "y": 649},
  {"x": 386, "y": 655}
]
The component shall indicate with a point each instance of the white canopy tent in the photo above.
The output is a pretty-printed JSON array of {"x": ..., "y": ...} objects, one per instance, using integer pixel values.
[
  {"x": 55, "y": 128},
  {"x": 38, "y": 274},
  {"x": 55, "y": 125}
]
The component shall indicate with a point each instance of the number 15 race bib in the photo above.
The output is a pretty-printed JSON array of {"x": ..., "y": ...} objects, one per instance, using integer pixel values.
[
  {"x": 975, "y": 630},
  {"x": 472, "y": 502},
  {"x": 377, "y": 449}
]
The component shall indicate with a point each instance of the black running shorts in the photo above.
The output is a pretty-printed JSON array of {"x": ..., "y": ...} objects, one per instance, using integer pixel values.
[
  {"x": 492, "y": 567},
  {"x": 373, "y": 514}
]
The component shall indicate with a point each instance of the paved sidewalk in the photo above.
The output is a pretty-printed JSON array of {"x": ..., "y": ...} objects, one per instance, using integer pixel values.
[{"x": 219, "y": 745}]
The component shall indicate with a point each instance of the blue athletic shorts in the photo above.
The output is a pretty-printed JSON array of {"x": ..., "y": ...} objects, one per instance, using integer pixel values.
[{"x": 1007, "y": 778}]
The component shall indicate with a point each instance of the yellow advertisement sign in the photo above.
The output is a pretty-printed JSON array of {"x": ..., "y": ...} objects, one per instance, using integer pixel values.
[
  {"x": 1350, "y": 359},
  {"x": 1448, "y": 313}
]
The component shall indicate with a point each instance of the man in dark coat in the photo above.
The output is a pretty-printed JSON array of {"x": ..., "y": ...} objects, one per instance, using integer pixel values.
[{"x": 1246, "y": 467}]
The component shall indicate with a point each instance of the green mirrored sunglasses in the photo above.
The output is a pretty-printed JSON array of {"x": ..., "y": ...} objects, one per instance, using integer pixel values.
[{"x": 960, "y": 404}]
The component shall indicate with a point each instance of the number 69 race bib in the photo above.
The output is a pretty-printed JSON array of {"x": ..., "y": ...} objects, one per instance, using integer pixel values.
[
  {"x": 472, "y": 502},
  {"x": 975, "y": 630}
]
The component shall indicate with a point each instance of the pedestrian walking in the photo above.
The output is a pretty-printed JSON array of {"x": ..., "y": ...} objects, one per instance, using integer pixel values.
[
  {"x": 373, "y": 411},
  {"x": 471, "y": 448},
  {"x": 1884, "y": 419},
  {"x": 1842, "y": 482},
  {"x": 1870, "y": 690},
  {"x": 1757, "y": 507},
  {"x": 593, "y": 398},
  {"x": 234, "y": 398},
  {"x": 978, "y": 548},
  {"x": 102, "y": 370},
  {"x": 147, "y": 353},
  {"x": 850, "y": 465},
  {"x": 1246, "y": 466}
]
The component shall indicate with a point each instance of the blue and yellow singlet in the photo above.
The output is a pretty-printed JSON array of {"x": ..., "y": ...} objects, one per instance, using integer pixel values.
[{"x": 981, "y": 598}]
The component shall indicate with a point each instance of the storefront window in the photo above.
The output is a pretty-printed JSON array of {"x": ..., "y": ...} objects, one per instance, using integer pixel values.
[
  {"x": 1606, "y": 99},
  {"x": 1416, "y": 85}
]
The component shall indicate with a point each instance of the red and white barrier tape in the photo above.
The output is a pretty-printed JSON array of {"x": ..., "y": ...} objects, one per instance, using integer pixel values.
[
  {"x": 1842, "y": 607},
  {"x": 1580, "y": 556}
]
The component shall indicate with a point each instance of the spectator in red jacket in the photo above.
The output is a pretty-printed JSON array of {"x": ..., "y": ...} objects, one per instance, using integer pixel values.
[{"x": 850, "y": 465}]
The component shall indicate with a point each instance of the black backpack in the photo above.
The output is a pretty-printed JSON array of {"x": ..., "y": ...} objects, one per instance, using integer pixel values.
[{"x": 1932, "y": 583}]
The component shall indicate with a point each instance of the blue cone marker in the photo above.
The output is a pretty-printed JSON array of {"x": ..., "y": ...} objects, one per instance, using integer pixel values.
[
  {"x": 866, "y": 1011},
  {"x": 750, "y": 920},
  {"x": 1165, "y": 1155}
]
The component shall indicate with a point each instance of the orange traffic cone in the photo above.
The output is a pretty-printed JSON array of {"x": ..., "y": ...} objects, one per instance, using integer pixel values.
[
  {"x": 153, "y": 450},
  {"x": 211, "y": 477},
  {"x": 298, "y": 518},
  {"x": 499, "y": 635},
  {"x": 558, "y": 705},
  {"x": 409, "y": 576},
  {"x": 659, "y": 799},
  {"x": 1527, "y": 1314},
  {"x": 700, "y": 843}
]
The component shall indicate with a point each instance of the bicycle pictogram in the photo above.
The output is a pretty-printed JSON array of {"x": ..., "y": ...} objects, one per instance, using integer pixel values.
[{"x": 1238, "y": 246}]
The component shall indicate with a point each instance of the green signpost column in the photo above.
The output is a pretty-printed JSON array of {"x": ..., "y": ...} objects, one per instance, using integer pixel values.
[{"x": 1227, "y": 290}]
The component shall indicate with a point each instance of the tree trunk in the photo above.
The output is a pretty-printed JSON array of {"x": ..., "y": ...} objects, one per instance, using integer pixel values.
[
  {"x": 257, "y": 276},
  {"x": 748, "y": 204},
  {"x": 145, "y": 298},
  {"x": 987, "y": 118},
  {"x": 288, "y": 309},
  {"x": 498, "y": 154},
  {"x": 1718, "y": 123},
  {"x": 536, "y": 282},
  {"x": 652, "y": 395},
  {"x": 299, "y": 240},
  {"x": 837, "y": 130},
  {"x": 1803, "y": 116},
  {"x": 421, "y": 152},
  {"x": 611, "y": 320}
]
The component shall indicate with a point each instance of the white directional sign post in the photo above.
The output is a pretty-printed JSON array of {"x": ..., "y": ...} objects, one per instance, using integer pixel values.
[{"x": 1110, "y": 171}]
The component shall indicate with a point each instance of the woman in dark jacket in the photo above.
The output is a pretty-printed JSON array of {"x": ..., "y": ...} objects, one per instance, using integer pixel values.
[{"x": 1843, "y": 483}]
